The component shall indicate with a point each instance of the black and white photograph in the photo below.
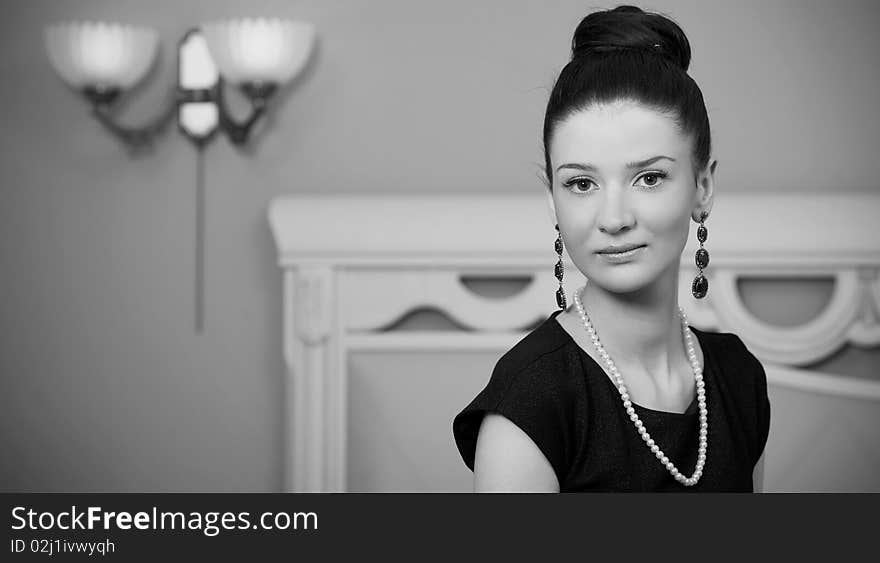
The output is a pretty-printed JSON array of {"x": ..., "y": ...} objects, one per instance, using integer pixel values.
[{"x": 402, "y": 246}]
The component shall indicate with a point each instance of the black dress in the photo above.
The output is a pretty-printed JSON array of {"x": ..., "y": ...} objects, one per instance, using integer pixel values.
[{"x": 558, "y": 395}]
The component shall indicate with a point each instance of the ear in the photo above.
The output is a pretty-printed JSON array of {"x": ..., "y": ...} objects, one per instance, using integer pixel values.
[
  {"x": 551, "y": 207},
  {"x": 705, "y": 190}
]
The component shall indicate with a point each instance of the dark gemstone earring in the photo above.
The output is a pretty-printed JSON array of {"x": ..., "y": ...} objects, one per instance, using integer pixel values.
[
  {"x": 560, "y": 269},
  {"x": 701, "y": 285}
]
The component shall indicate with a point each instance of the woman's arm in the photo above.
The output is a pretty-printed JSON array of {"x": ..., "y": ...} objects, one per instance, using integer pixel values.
[
  {"x": 758, "y": 476},
  {"x": 507, "y": 460}
]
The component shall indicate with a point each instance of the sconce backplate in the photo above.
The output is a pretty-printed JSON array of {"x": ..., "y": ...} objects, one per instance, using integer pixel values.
[{"x": 197, "y": 76}]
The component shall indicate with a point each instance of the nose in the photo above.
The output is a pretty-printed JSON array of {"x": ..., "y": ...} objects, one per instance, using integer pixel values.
[{"x": 614, "y": 214}]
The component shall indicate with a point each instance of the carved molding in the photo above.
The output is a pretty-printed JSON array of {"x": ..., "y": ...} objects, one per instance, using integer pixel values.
[
  {"x": 313, "y": 396},
  {"x": 844, "y": 319},
  {"x": 313, "y": 306},
  {"x": 388, "y": 295}
]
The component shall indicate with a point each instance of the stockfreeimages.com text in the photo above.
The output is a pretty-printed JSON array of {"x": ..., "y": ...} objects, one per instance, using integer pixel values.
[{"x": 210, "y": 523}]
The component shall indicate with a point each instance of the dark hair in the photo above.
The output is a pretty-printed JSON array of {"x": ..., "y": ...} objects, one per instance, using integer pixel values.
[{"x": 629, "y": 54}]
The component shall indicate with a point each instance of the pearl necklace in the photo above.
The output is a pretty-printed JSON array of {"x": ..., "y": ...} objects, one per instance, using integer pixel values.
[{"x": 627, "y": 404}]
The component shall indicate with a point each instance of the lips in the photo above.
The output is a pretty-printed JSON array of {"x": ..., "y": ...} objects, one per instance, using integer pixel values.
[{"x": 618, "y": 249}]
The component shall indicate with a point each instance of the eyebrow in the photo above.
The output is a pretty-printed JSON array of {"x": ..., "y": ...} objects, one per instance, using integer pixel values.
[{"x": 631, "y": 165}]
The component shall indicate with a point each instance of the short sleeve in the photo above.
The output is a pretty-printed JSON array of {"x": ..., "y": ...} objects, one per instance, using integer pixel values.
[
  {"x": 533, "y": 399},
  {"x": 759, "y": 399},
  {"x": 763, "y": 402}
]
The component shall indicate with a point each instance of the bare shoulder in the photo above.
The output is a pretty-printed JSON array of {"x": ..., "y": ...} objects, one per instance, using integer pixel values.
[{"x": 507, "y": 460}]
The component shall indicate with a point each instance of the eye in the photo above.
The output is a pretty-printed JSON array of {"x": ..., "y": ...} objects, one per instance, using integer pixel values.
[
  {"x": 583, "y": 183},
  {"x": 653, "y": 179}
]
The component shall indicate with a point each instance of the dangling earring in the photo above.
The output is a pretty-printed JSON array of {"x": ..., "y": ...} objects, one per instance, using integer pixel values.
[
  {"x": 560, "y": 269},
  {"x": 701, "y": 285}
]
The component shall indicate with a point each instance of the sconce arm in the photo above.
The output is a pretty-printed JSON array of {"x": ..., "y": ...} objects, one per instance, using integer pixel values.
[
  {"x": 238, "y": 132},
  {"x": 134, "y": 137},
  {"x": 258, "y": 94}
]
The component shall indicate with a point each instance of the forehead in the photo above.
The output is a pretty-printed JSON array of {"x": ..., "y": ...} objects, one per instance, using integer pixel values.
[{"x": 613, "y": 134}]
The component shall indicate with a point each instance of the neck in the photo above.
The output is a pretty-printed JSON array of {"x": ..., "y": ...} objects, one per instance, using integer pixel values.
[{"x": 640, "y": 330}]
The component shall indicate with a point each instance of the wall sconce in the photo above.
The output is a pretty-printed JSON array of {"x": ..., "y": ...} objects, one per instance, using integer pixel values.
[{"x": 105, "y": 60}]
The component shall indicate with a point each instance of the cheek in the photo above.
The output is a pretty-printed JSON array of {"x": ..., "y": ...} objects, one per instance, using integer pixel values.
[
  {"x": 578, "y": 223},
  {"x": 662, "y": 219},
  {"x": 667, "y": 224}
]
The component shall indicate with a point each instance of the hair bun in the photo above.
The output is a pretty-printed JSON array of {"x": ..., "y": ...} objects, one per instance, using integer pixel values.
[{"x": 629, "y": 28}]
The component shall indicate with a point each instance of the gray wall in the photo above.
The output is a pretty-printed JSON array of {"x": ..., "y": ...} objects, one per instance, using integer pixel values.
[{"x": 105, "y": 385}]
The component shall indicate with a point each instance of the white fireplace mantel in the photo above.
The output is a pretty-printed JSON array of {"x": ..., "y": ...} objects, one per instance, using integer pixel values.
[{"x": 353, "y": 264}]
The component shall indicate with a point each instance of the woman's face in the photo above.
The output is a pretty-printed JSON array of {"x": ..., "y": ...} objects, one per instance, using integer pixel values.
[{"x": 622, "y": 175}]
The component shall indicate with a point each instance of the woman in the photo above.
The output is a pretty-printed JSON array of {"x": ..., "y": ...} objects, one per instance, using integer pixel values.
[{"x": 619, "y": 393}]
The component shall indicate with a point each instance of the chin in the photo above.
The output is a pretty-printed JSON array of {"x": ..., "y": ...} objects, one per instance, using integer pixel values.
[
  {"x": 621, "y": 288},
  {"x": 622, "y": 278}
]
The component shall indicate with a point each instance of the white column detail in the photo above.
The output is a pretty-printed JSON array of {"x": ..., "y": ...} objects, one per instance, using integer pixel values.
[{"x": 309, "y": 357}]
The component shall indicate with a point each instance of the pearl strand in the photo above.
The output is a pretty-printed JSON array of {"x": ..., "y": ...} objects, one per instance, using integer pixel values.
[{"x": 627, "y": 404}]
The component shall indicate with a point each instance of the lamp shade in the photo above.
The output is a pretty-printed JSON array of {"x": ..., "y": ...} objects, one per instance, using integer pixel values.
[
  {"x": 101, "y": 54},
  {"x": 258, "y": 49}
]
